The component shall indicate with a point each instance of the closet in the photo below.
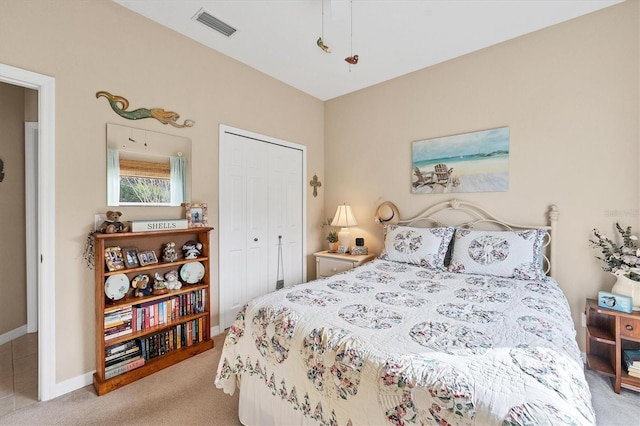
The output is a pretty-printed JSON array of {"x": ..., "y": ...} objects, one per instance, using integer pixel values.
[{"x": 261, "y": 217}]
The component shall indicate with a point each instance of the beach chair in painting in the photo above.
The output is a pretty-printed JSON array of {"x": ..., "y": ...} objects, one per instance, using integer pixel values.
[
  {"x": 443, "y": 174},
  {"x": 423, "y": 178}
]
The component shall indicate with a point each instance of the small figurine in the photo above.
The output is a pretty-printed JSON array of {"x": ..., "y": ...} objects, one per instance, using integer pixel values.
[
  {"x": 141, "y": 285},
  {"x": 169, "y": 252},
  {"x": 159, "y": 286},
  {"x": 191, "y": 249},
  {"x": 172, "y": 280},
  {"x": 113, "y": 223}
]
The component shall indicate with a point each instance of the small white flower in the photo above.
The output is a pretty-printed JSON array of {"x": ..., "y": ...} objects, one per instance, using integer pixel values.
[{"x": 633, "y": 237}]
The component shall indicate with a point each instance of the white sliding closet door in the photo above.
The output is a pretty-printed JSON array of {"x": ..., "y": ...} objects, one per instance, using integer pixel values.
[{"x": 261, "y": 199}]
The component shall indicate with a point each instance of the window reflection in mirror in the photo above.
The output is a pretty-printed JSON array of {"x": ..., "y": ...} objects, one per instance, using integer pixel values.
[{"x": 146, "y": 168}]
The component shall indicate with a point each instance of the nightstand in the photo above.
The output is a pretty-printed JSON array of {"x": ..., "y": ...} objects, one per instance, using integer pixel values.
[
  {"x": 610, "y": 332},
  {"x": 328, "y": 264}
]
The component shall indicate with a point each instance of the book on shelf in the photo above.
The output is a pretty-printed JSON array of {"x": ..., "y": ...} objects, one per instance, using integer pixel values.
[
  {"x": 634, "y": 373},
  {"x": 115, "y": 365},
  {"x": 631, "y": 357},
  {"x": 117, "y": 331},
  {"x": 158, "y": 225},
  {"x": 122, "y": 359},
  {"x": 120, "y": 369},
  {"x": 122, "y": 354},
  {"x": 120, "y": 347},
  {"x": 121, "y": 325},
  {"x": 116, "y": 318}
]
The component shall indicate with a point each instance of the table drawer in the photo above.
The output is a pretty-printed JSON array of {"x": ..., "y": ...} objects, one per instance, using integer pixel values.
[
  {"x": 630, "y": 327},
  {"x": 328, "y": 267}
]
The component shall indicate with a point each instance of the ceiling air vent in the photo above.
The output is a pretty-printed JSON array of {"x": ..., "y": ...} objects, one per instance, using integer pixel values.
[{"x": 214, "y": 23}]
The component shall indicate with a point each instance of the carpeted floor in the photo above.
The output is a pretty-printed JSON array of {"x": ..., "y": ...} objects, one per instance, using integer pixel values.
[
  {"x": 613, "y": 409},
  {"x": 184, "y": 394}
]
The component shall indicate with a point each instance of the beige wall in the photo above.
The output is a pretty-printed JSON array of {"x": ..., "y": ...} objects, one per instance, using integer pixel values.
[
  {"x": 569, "y": 95},
  {"x": 88, "y": 46},
  {"x": 13, "y": 287}
]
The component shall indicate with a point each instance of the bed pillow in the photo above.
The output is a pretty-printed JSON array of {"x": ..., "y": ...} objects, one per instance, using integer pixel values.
[
  {"x": 424, "y": 247},
  {"x": 510, "y": 254}
]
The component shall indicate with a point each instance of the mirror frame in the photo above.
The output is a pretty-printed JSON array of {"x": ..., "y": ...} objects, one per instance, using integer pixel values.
[{"x": 146, "y": 145}]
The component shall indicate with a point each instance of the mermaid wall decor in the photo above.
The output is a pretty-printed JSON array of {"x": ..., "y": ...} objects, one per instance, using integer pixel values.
[{"x": 120, "y": 105}]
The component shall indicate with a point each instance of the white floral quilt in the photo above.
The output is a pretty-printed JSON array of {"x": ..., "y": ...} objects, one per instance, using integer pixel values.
[{"x": 393, "y": 343}]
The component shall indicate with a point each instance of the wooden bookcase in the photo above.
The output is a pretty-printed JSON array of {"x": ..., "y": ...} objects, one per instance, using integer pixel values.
[
  {"x": 609, "y": 333},
  {"x": 183, "y": 320}
]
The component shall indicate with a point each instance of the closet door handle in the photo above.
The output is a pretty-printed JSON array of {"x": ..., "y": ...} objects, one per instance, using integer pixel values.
[{"x": 255, "y": 239}]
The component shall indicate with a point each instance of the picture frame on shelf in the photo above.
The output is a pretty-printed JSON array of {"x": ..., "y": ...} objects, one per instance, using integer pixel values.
[
  {"x": 147, "y": 257},
  {"x": 113, "y": 258},
  {"x": 196, "y": 214},
  {"x": 130, "y": 256}
]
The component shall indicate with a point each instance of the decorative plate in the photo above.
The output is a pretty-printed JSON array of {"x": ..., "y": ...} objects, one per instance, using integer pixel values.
[
  {"x": 116, "y": 286},
  {"x": 192, "y": 273}
]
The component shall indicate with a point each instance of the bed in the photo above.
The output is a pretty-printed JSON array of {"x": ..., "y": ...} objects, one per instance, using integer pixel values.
[{"x": 458, "y": 322}]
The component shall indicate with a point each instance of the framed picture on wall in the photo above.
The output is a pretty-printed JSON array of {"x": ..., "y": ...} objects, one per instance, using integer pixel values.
[
  {"x": 467, "y": 162},
  {"x": 196, "y": 214}
]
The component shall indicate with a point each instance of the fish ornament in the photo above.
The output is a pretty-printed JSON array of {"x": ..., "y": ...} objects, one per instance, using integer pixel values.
[
  {"x": 352, "y": 59},
  {"x": 322, "y": 46}
]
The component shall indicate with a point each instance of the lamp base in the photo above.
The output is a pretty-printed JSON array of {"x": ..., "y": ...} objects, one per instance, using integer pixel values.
[{"x": 344, "y": 238}]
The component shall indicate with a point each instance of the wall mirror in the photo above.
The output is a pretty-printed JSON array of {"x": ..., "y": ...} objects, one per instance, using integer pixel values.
[{"x": 146, "y": 168}]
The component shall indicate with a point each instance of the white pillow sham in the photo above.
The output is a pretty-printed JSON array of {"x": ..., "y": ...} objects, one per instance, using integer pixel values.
[
  {"x": 510, "y": 254},
  {"x": 424, "y": 247}
]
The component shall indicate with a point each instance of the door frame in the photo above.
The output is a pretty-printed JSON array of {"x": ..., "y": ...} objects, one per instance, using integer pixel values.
[
  {"x": 45, "y": 85},
  {"x": 266, "y": 139},
  {"x": 31, "y": 204}
]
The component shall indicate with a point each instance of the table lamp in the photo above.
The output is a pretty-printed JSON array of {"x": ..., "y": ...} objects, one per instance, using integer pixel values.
[{"x": 344, "y": 219}]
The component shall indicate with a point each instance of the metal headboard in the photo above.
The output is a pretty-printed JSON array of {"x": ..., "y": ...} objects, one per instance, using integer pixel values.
[{"x": 472, "y": 216}]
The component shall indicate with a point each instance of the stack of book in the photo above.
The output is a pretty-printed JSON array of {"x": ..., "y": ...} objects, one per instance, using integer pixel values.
[
  {"x": 632, "y": 361},
  {"x": 122, "y": 357},
  {"x": 117, "y": 323}
]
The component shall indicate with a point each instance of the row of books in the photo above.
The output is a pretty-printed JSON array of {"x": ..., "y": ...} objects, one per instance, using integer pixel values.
[
  {"x": 182, "y": 335},
  {"x": 631, "y": 359},
  {"x": 118, "y": 322},
  {"x": 164, "y": 311}
]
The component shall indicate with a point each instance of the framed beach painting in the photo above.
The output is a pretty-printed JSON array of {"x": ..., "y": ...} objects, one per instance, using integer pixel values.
[{"x": 468, "y": 162}]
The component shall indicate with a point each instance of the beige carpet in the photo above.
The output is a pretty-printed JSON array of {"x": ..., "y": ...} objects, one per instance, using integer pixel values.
[{"x": 184, "y": 394}]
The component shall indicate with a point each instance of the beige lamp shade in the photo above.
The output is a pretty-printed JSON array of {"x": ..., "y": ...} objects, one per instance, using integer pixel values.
[{"x": 344, "y": 217}]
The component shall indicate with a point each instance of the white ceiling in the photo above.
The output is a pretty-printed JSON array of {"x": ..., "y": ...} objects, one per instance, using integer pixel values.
[{"x": 391, "y": 37}]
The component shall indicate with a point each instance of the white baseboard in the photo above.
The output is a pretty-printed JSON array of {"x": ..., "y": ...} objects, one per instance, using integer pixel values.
[
  {"x": 74, "y": 383},
  {"x": 215, "y": 330},
  {"x": 13, "y": 334}
]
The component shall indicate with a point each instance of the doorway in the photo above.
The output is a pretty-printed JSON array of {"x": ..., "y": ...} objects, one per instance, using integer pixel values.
[
  {"x": 262, "y": 217},
  {"x": 45, "y": 219}
]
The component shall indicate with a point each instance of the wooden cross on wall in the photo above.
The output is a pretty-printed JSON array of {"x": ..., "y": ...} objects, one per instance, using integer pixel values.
[{"x": 316, "y": 184}]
